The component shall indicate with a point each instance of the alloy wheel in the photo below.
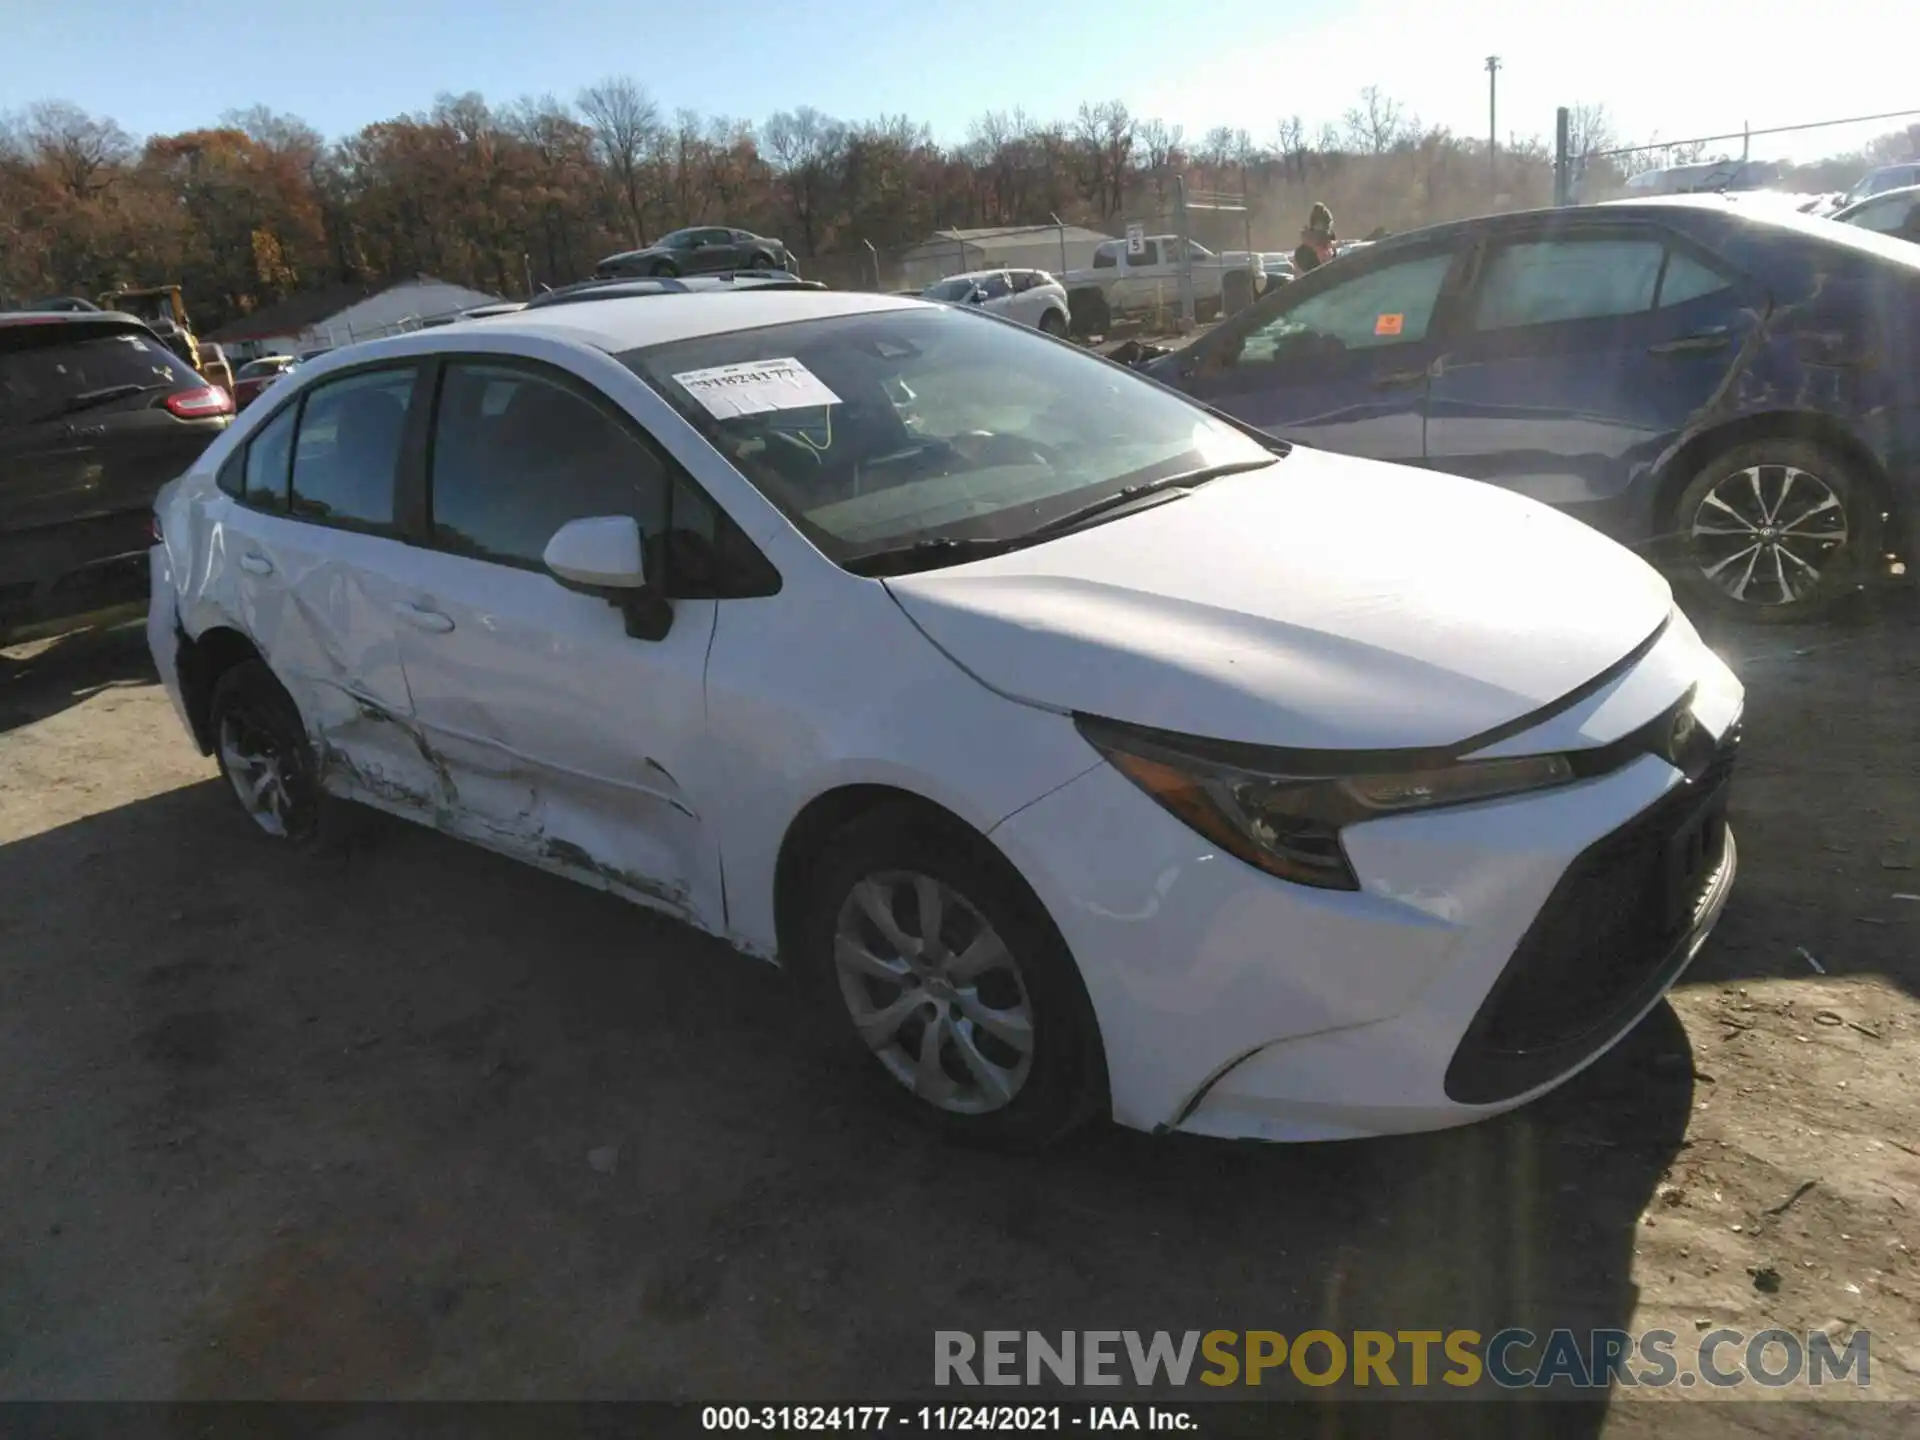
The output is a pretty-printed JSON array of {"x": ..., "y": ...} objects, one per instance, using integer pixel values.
[
  {"x": 934, "y": 992},
  {"x": 1763, "y": 535},
  {"x": 260, "y": 771}
]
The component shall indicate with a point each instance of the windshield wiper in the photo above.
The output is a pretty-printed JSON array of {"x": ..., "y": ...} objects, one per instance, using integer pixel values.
[
  {"x": 1127, "y": 494},
  {"x": 938, "y": 550},
  {"x": 87, "y": 399}
]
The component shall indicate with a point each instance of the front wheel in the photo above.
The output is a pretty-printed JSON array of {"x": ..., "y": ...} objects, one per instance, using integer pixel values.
[
  {"x": 665, "y": 270},
  {"x": 936, "y": 960},
  {"x": 762, "y": 261},
  {"x": 1776, "y": 531},
  {"x": 1053, "y": 322}
]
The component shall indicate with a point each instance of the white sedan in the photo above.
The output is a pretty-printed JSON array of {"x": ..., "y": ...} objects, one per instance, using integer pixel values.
[
  {"x": 1032, "y": 297},
  {"x": 1085, "y": 753}
]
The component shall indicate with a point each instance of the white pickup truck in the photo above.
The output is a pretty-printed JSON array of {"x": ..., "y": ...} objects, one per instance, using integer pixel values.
[{"x": 1121, "y": 285}]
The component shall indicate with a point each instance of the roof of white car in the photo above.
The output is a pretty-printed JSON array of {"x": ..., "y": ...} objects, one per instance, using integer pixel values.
[
  {"x": 628, "y": 323},
  {"x": 990, "y": 270}
]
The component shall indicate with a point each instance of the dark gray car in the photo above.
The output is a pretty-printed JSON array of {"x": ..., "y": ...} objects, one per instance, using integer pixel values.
[
  {"x": 96, "y": 414},
  {"x": 703, "y": 249}
]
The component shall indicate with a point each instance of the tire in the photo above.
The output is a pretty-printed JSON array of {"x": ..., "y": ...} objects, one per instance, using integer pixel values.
[
  {"x": 665, "y": 270},
  {"x": 1090, "y": 312},
  {"x": 255, "y": 724},
  {"x": 1816, "y": 524},
  {"x": 1052, "y": 322},
  {"x": 762, "y": 261},
  {"x": 1007, "y": 1096}
]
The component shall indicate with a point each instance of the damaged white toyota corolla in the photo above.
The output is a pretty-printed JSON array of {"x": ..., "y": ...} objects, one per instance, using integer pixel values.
[{"x": 1087, "y": 753}]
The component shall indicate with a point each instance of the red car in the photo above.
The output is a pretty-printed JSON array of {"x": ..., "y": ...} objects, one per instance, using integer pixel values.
[{"x": 257, "y": 375}]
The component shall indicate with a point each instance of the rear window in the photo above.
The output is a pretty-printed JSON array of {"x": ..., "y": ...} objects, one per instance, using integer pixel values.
[{"x": 53, "y": 370}]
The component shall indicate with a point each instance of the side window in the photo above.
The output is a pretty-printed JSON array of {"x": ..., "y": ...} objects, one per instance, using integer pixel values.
[
  {"x": 349, "y": 448},
  {"x": 1539, "y": 282},
  {"x": 1107, "y": 257},
  {"x": 1389, "y": 306},
  {"x": 1023, "y": 281},
  {"x": 1149, "y": 256},
  {"x": 232, "y": 476},
  {"x": 269, "y": 454},
  {"x": 516, "y": 455},
  {"x": 997, "y": 286},
  {"x": 1687, "y": 279}
]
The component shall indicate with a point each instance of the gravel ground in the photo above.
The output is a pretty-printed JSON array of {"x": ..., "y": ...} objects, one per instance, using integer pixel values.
[{"x": 417, "y": 1122}]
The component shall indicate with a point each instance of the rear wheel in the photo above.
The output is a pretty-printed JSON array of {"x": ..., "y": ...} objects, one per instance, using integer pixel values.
[
  {"x": 1776, "y": 531},
  {"x": 938, "y": 962},
  {"x": 268, "y": 762}
]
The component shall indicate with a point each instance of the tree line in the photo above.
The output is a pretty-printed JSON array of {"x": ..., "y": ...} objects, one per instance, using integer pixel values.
[{"x": 501, "y": 197}]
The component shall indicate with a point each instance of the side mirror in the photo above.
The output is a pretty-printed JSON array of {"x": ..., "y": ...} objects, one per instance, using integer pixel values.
[{"x": 601, "y": 553}]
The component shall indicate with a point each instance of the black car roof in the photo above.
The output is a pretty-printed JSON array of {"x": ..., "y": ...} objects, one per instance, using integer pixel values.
[
  {"x": 104, "y": 320},
  {"x": 1801, "y": 226}
]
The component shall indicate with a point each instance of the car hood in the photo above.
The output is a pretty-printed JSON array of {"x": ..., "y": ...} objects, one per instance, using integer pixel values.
[{"x": 1322, "y": 603}]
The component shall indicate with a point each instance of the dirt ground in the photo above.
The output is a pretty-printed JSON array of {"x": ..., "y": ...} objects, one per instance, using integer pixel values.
[{"x": 417, "y": 1122}]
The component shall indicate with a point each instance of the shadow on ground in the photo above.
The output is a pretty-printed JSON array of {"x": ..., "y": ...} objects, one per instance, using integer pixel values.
[
  {"x": 417, "y": 1121},
  {"x": 42, "y": 678}
]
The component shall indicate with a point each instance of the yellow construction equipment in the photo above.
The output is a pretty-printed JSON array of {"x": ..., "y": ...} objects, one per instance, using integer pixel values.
[{"x": 161, "y": 307}]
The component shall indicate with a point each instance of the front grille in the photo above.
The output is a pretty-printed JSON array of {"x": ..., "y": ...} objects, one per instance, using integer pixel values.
[{"x": 1611, "y": 934}]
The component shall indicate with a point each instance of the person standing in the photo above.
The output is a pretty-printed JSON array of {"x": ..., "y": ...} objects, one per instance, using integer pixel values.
[{"x": 1316, "y": 241}]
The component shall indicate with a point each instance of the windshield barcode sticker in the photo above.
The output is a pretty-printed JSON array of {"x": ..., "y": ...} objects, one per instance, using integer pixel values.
[{"x": 756, "y": 387}]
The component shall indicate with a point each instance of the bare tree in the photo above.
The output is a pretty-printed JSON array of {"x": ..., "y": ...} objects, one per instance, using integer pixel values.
[
  {"x": 1293, "y": 145},
  {"x": 1105, "y": 135},
  {"x": 1216, "y": 149},
  {"x": 287, "y": 134},
  {"x": 626, "y": 128},
  {"x": 1590, "y": 130},
  {"x": 82, "y": 150},
  {"x": 805, "y": 146},
  {"x": 1159, "y": 152},
  {"x": 1376, "y": 124}
]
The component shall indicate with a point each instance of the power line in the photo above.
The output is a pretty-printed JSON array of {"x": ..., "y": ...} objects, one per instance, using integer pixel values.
[{"x": 1744, "y": 134}]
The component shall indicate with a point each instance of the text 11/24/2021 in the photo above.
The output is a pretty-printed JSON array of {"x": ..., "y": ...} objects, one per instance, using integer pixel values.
[{"x": 944, "y": 1419}]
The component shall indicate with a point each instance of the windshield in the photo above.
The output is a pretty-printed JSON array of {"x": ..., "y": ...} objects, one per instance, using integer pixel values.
[{"x": 877, "y": 430}]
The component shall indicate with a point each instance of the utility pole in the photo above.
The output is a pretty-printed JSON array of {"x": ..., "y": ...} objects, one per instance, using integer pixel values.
[{"x": 1493, "y": 126}]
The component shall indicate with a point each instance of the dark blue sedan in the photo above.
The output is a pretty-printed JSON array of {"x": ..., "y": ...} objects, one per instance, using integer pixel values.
[{"x": 1736, "y": 395}]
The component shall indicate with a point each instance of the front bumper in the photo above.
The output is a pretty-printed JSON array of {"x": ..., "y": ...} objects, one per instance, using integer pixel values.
[{"x": 1452, "y": 986}]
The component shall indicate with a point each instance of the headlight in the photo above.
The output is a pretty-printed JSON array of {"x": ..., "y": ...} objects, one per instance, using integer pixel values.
[{"x": 1289, "y": 825}]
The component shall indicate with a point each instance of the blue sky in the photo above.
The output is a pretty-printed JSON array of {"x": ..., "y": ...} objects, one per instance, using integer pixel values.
[{"x": 1669, "y": 68}]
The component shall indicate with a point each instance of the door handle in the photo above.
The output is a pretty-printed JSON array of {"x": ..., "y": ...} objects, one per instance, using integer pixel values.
[
  {"x": 1397, "y": 379},
  {"x": 423, "y": 618},
  {"x": 1692, "y": 344},
  {"x": 256, "y": 564}
]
